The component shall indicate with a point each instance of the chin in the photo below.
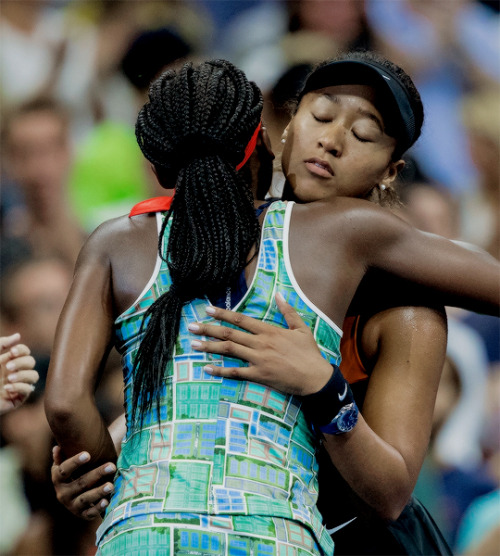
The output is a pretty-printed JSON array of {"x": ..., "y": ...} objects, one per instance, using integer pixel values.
[{"x": 306, "y": 194}]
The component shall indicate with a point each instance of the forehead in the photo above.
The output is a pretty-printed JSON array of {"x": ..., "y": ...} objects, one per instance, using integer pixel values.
[{"x": 365, "y": 95}]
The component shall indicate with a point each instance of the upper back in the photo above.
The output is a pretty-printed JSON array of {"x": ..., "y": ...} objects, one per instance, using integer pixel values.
[{"x": 131, "y": 246}]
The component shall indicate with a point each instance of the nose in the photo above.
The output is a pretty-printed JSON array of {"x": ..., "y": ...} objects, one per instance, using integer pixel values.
[{"x": 332, "y": 139}]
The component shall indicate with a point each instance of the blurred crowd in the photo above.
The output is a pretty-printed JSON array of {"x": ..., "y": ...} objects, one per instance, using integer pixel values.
[{"x": 73, "y": 74}]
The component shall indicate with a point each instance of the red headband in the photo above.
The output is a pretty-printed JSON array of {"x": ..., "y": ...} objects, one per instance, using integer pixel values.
[{"x": 250, "y": 147}]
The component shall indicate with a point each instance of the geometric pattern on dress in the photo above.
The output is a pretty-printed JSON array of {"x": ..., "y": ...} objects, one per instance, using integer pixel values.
[
  {"x": 199, "y": 535},
  {"x": 222, "y": 446}
]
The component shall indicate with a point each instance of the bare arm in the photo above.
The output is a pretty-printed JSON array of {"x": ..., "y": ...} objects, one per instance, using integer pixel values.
[
  {"x": 463, "y": 278},
  {"x": 82, "y": 343},
  {"x": 381, "y": 458}
]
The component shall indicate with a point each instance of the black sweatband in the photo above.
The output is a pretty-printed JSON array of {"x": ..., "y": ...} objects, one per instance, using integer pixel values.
[{"x": 320, "y": 408}]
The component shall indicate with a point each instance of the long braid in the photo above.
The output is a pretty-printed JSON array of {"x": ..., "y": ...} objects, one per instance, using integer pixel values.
[{"x": 195, "y": 127}]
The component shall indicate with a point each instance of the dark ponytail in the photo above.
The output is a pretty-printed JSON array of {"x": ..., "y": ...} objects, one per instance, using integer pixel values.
[{"x": 194, "y": 130}]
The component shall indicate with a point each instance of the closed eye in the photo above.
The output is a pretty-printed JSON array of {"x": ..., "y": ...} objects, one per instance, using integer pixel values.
[
  {"x": 322, "y": 120},
  {"x": 361, "y": 139}
]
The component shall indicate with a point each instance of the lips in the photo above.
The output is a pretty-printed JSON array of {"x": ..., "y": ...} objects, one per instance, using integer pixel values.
[{"x": 319, "y": 167}]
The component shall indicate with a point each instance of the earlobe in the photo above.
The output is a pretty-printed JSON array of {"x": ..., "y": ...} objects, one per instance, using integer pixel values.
[{"x": 392, "y": 172}]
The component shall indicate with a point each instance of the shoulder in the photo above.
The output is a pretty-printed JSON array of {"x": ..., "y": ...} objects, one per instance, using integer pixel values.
[
  {"x": 358, "y": 214},
  {"x": 365, "y": 226},
  {"x": 403, "y": 326},
  {"x": 117, "y": 235}
]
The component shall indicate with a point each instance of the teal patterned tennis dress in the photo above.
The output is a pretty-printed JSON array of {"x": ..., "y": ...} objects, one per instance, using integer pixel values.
[{"x": 231, "y": 468}]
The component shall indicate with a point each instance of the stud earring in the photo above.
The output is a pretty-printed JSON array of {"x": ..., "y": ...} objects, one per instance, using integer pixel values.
[
  {"x": 382, "y": 187},
  {"x": 283, "y": 140}
]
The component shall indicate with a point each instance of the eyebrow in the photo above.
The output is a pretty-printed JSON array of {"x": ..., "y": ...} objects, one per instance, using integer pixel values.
[{"x": 365, "y": 113}]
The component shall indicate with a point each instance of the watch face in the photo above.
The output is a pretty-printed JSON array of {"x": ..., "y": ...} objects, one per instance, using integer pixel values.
[
  {"x": 347, "y": 418},
  {"x": 344, "y": 421}
]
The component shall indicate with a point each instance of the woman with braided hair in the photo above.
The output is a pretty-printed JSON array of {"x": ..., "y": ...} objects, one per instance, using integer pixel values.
[
  {"x": 199, "y": 144},
  {"x": 187, "y": 480},
  {"x": 211, "y": 463}
]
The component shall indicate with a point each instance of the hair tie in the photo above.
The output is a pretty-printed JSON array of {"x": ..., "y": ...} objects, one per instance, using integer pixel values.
[
  {"x": 188, "y": 150},
  {"x": 250, "y": 147}
]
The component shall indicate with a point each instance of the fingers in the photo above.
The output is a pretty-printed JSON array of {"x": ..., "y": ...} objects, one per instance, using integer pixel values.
[
  {"x": 237, "y": 373},
  {"x": 292, "y": 318},
  {"x": 65, "y": 469},
  {"x": 255, "y": 326},
  {"x": 19, "y": 351},
  {"x": 7, "y": 342},
  {"x": 80, "y": 495},
  {"x": 21, "y": 383},
  {"x": 227, "y": 348},
  {"x": 20, "y": 376},
  {"x": 222, "y": 333},
  {"x": 95, "y": 510},
  {"x": 247, "y": 323},
  {"x": 91, "y": 503},
  {"x": 88, "y": 505},
  {"x": 19, "y": 391}
]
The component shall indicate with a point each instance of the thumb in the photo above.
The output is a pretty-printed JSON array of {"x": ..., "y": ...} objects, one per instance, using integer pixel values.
[{"x": 292, "y": 318}]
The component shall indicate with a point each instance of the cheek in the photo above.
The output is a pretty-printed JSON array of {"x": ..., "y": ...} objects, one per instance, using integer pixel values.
[
  {"x": 369, "y": 169},
  {"x": 296, "y": 145}
]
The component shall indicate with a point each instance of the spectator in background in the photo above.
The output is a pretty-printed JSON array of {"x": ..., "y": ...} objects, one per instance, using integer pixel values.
[
  {"x": 34, "y": 50},
  {"x": 448, "y": 47},
  {"x": 480, "y": 207},
  {"x": 282, "y": 28},
  {"x": 479, "y": 533},
  {"x": 32, "y": 296},
  {"x": 72, "y": 51},
  {"x": 342, "y": 20},
  {"x": 37, "y": 157},
  {"x": 111, "y": 27},
  {"x": 479, "y": 529},
  {"x": 431, "y": 207},
  {"x": 40, "y": 48},
  {"x": 18, "y": 379},
  {"x": 100, "y": 190},
  {"x": 454, "y": 473},
  {"x": 480, "y": 217}
]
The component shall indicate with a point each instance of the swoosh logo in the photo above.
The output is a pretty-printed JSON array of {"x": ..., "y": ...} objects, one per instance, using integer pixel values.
[
  {"x": 342, "y": 397},
  {"x": 335, "y": 529}
]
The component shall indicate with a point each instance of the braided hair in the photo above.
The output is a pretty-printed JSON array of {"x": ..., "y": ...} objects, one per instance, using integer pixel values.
[{"x": 194, "y": 130}]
